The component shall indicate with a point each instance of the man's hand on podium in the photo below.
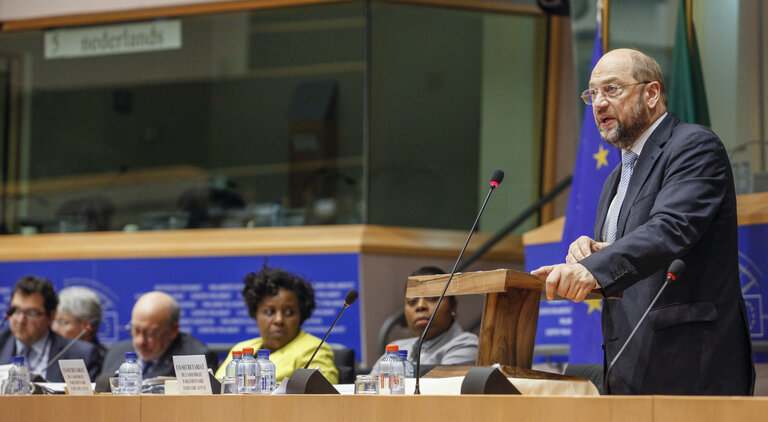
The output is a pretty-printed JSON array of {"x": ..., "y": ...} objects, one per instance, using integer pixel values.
[
  {"x": 582, "y": 248},
  {"x": 572, "y": 281}
]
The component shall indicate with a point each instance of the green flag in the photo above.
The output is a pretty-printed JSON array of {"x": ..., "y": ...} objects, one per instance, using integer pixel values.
[{"x": 687, "y": 97}]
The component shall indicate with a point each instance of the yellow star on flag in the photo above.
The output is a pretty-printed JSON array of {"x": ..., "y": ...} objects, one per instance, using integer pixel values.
[
  {"x": 601, "y": 157},
  {"x": 594, "y": 305}
]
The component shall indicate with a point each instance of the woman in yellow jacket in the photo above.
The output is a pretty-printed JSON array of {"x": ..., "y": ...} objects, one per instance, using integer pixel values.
[{"x": 280, "y": 302}]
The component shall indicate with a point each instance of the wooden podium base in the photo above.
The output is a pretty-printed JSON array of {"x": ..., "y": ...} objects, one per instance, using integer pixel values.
[{"x": 510, "y": 312}]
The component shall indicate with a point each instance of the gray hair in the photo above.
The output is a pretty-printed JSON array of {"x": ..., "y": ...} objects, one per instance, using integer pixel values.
[
  {"x": 645, "y": 68},
  {"x": 82, "y": 303},
  {"x": 174, "y": 312}
]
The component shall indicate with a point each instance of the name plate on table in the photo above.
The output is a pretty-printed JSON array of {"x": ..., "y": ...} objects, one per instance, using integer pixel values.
[
  {"x": 192, "y": 374},
  {"x": 76, "y": 377}
]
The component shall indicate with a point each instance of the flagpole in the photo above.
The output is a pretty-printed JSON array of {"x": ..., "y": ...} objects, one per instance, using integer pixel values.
[
  {"x": 689, "y": 22},
  {"x": 605, "y": 6}
]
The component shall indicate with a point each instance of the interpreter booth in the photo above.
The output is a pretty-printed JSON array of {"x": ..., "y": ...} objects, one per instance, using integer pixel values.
[{"x": 181, "y": 148}]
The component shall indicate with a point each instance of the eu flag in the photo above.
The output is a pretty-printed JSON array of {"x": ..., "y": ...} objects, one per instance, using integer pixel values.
[{"x": 594, "y": 162}]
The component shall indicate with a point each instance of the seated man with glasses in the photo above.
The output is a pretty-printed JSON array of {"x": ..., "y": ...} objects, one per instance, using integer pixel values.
[
  {"x": 32, "y": 310},
  {"x": 156, "y": 339}
]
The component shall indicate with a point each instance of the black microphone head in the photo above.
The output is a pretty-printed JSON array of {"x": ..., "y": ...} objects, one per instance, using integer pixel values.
[
  {"x": 676, "y": 268},
  {"x": 92, "y": 323},
  {"x": 10, "y": 311},
  {"x": 351, "y": 297},
  {"x": 496, "y": 178}
]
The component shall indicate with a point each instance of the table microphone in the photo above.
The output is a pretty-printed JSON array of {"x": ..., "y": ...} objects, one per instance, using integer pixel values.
[
  {"x": 88, "y": 328},
  {"x": 349, "y": 299},
  {"x": 8, "y": 312},
  {"x": 676, "y": 268},
  {"x": 496, "y": 179}
]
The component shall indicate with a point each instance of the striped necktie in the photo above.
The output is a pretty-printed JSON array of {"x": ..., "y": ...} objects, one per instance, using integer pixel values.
[{"x": 628, "y": 159}]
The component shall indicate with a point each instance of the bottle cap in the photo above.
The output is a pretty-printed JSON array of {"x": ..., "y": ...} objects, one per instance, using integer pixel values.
[
  {"x": 130, "y": 356},
  {"x": 263, "y": 353},
  {"x": 237, "y": 353},
  {"x": 17, "y": 359},
  {"x": 247, "y": 350},
  {"x": 392, "y": 348}
]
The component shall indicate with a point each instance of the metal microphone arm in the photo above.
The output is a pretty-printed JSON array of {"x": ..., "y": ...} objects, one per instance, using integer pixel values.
[{"x": 445, "y": 289}]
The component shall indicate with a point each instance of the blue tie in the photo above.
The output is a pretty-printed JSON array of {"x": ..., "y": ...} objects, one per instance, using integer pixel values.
[
  {"x": 145, "y": 367},
  {"x": 628, "y": 159}
]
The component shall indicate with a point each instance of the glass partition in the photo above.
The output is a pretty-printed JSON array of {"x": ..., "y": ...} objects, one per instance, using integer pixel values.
[{"x": 357, "y": 112}]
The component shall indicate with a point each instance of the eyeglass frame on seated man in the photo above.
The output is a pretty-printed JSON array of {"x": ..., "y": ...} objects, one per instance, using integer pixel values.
[
  {"x": 611, "y": 90},
  {"x": 148, "y": 335},
  {"x": 29, "y": 313}
]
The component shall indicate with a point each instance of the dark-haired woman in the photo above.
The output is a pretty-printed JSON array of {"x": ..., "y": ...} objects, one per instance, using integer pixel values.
[{"x": 280, "y": 302}]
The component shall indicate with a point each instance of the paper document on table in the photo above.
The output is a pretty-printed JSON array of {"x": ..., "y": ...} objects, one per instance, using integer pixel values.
[{"x": 451, "y": 386}]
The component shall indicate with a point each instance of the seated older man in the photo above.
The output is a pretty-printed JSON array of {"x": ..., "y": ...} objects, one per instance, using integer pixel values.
[
  {"x": 156, "y": 338},
  {"x": 32, "y": 309}
]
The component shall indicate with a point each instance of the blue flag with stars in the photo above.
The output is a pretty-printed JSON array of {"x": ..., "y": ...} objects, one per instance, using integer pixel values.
[{"x": 595, "y": 160}]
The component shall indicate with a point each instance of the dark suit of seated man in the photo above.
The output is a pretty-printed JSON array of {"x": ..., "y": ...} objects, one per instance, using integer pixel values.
[
  {"x": 156, "y": 339},
  {"x": 34, "y": 308}
]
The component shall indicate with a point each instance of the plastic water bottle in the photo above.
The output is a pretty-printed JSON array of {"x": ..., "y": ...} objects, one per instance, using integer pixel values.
[
  {"x": 403, "y": 354},
  {"x": 268, "y": 372},
  {"x": 248, "y": 372},
  {"x": 18, "y": 378},
  {"x": 391, "y": 372},
  {"x": 229, "y": 386},
  {"x": 129, "y": 376}
]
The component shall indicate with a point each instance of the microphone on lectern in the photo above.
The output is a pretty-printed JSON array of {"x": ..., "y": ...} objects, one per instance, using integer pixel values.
[{"x": 496, "y": 179}]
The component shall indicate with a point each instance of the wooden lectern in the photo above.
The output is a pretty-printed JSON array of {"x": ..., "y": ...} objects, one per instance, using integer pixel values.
[{"x": 510, "y": 311}]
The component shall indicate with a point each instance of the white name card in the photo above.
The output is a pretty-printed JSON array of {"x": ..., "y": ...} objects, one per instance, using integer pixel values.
[
  {"x": 112, "y": 39},
  {"x": 76, "y": 377},
  {"x": 192, "y": 374}
]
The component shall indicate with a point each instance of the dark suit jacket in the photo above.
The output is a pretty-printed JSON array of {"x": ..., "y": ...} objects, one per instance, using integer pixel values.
[
  {"x": 680, "y": 203},
  {"x": 184, "y": 344},
  {"x": 80, "y": 350}
]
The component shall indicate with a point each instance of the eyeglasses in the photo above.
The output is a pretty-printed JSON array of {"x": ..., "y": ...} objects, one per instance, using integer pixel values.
[
  {"x": 29, "y": 313},
  {"x": 148, "y": 335},
  {"x": 62, "y": 322},
  {"x": 612, "y": 90}
]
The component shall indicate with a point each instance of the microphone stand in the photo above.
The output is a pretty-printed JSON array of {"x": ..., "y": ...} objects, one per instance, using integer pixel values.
[
  {"x": 69, "y": 345},
  {"x": 606, "y": 387},
  {"x": 445, "y": 289},
  {"x": 8, "y": 312},
  {"x": 327, "y": 333}
]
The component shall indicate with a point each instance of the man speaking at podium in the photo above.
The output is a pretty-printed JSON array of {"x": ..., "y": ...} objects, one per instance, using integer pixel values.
[{"x": 672, "y": 197}]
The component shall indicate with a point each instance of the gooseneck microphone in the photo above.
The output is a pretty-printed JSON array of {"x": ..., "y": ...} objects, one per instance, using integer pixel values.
[
  {"x": 496, "y": 179},
  {"x": 8, "y": 312},
  {"x": 349, "y": 299},
  {"x": 676, "y": 268},
  {"x": 88, "y": 329}
]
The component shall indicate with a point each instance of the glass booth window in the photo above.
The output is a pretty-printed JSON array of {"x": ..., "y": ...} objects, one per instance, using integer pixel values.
[
  {"x": 359, "y": 112},
  {"x": 231, "y": 120}
]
